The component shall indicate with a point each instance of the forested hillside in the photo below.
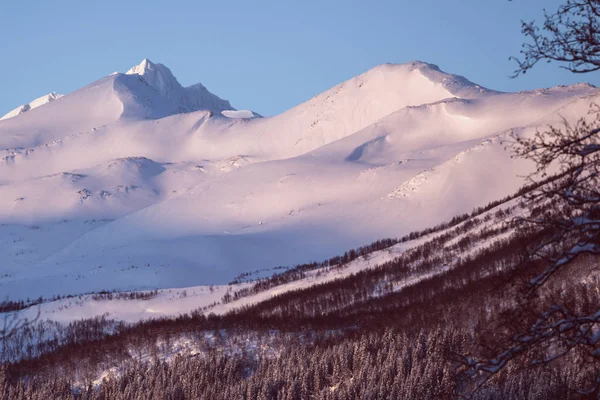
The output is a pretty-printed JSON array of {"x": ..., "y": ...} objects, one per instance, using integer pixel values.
[{"x": 402, "y": 329}]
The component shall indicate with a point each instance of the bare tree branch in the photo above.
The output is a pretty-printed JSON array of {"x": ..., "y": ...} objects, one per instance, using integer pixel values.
[
  {"x": 570, "y": 35},
  {"x": 567, "y": 182}
]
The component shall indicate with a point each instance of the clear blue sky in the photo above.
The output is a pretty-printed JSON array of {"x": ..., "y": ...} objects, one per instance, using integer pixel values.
[{"x": 262, "y": 55}]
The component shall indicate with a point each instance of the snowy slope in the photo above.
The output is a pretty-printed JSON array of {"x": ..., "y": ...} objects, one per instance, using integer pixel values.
[
  {"x": 136, "y": 182},
  {"x": 40, "y": 101},
  {"x": 177, "y": 301}
]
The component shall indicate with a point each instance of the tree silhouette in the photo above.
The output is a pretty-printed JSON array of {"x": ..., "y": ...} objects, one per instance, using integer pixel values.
[{"x": 568, "y": 161}]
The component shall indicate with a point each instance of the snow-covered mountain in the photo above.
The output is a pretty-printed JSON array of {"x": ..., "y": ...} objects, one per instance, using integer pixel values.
[
  {"x": 40, "y": 101},
  {"x": 192, "y": 98},
  {"x": 136, "y": 182}
]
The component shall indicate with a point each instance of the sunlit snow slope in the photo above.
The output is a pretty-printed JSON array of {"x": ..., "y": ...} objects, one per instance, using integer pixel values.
[
  {"x": 40, "y": 101},
  {"x": 136, "y": 182}
]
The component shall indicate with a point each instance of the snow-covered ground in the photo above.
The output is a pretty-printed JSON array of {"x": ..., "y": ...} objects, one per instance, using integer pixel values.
[
  {"x": 134, "y": 182},
  {"x": 208, "y": 298},
  {"x": 177, "y": 301}
]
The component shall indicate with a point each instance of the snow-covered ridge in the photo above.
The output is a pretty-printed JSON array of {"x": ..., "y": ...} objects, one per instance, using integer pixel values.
[
  {"x": 458, "y": 85},
  {"x": 40, "y": 101},
  {"x": 188, "y": 99}
]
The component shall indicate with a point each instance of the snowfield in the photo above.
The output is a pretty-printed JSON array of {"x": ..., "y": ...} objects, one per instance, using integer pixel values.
[
  {"x": 135, "y": 182},
  {"x": 177, "y": 301},
  {"x": 173, "y": 302}
]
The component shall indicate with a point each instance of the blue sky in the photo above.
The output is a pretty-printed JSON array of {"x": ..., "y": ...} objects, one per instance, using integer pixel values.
[{"x": 262, "y": 55}]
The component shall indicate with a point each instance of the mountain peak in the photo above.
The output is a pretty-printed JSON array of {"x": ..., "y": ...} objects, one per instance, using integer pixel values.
[
  {"x": 418, "y": 64},
  {"x": 186, "y": 99},
  {"x": 158, "y": 76},
  {"x": 142, "y": 68},
  {"x": 457, "y": 85}
]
